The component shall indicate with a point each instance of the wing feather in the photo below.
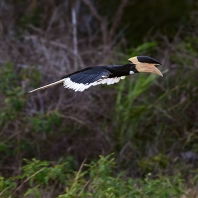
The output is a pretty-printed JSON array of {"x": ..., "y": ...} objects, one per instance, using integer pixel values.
[{"x": 84, "y": 79}]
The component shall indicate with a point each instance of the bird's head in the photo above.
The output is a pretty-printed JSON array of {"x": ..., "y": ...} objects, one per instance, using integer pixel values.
[{"x": 145, "y": 64}]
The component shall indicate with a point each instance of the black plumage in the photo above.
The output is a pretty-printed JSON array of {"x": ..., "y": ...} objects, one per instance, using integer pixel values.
[
  {"x": 92, "y": 76},
  {"x": 89, "y": 75},
  {"x": 97, "y": 73}
]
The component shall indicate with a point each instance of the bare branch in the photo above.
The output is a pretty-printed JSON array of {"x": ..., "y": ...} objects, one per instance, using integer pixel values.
[
  {"x": 118, "y": 17},
  {"x": 93, "y": 10},
  {"x": 75, "y": 41},
  {"x": 101, "y": 20}
]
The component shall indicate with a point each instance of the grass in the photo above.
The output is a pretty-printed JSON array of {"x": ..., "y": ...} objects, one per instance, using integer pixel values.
[{"x": 126, "y": 111}]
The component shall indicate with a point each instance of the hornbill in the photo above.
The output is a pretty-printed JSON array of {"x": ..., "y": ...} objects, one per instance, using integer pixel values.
[{"x": 92, "y": 76}]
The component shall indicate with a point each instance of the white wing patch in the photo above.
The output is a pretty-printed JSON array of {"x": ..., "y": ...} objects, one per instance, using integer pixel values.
[{"x": 67, "y": 83}]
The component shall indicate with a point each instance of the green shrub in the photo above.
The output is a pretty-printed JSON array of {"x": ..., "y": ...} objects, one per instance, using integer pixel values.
[{"x": 97, "y": 179}]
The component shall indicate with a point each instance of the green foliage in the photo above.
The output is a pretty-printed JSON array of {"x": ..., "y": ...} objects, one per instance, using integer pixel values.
[
  {"x": 13, "y": 94},
  {"x": 157, "y": 116},
  {"x": 103, "y": 183},
  {"x": 97, "y": 180},
  {"x": 32, "y": 75},
  {"x": 20, "y": 132},
  {"x": 149, "y": 123},
  {"x": 13, "y": 82},
  {"x": 13, "y": 101},
  {"x": 137, "y": 125},
  {"x": 41, "y": 173},
  {"x": 45, "y": 122},
  {"x": 159, "y": 161},
  {"x": 129, "y": 113},
  {"x": 6, "y": 187},
  {"x": 144, "y": 48},
  {"x": 36, "y": 174}
]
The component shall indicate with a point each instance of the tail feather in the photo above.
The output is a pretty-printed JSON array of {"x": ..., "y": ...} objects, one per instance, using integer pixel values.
[{"x": 46, "y": 86}]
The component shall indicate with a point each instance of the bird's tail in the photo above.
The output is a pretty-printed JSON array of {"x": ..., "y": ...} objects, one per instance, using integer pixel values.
[{"x": 46, "y": 86}]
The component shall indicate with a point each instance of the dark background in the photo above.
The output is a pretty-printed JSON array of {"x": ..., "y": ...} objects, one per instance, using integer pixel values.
[{"x": 149, "y": 123}]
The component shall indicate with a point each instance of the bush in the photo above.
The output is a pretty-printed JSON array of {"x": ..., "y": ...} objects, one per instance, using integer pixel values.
[{"x": 97, "y": 179}]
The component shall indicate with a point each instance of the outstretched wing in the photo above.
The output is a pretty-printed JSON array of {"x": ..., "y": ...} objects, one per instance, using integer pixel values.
[{"x": 84, "y": 79}]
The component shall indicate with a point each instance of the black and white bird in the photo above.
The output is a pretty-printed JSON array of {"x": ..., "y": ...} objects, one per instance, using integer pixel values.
[{"x": 92, "y": 76}]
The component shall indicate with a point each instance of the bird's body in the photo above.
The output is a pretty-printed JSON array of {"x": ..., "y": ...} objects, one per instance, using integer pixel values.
[{"x": 92, "y": 76}]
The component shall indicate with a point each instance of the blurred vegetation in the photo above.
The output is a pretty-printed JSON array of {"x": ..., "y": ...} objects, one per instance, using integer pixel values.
[
  {"x": 58, "y": 143},
  {"x": 40, "y": 179}
]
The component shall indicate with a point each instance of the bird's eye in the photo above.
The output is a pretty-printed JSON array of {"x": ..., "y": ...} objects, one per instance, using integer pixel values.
[{"x": 131, "y": 62}]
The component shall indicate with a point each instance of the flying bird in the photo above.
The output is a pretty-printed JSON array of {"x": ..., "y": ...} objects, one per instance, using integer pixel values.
[{"x": 92, "y": 76}]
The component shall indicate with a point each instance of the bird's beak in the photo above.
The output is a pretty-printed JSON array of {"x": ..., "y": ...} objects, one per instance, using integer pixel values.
[{"x": 147, "y": 67}]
